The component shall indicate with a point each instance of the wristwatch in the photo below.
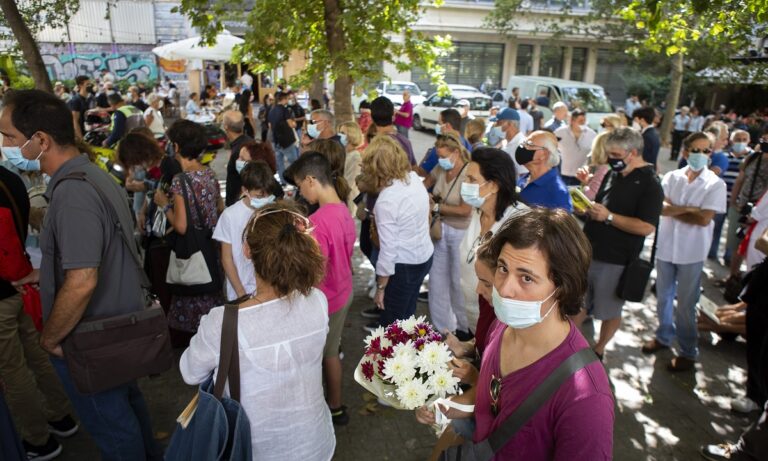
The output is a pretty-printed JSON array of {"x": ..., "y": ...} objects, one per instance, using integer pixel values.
[
  {"x": 609, "y": 219},
  {"x": 436, "y": 208}
]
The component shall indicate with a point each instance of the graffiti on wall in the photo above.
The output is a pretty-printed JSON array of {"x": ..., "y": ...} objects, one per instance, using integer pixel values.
[{"x": 131, "y": 65}]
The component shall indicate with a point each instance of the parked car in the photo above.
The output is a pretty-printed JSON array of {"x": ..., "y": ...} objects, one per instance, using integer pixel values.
[
  {"x": 394, "y": 92},
  {"x": 587, "y": 96},
  {"x": 425, "y": 115}
]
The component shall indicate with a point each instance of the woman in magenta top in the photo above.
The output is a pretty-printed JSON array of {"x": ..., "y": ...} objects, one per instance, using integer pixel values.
[
  {"x": 334, "y": 230},
  {"x": 542, "y": 262}
]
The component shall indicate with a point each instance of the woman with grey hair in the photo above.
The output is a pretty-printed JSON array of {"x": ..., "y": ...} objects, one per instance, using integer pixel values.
[{"x": 152, "y": 116}]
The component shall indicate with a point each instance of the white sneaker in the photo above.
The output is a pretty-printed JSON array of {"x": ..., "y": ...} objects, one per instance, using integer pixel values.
[{"x": 744, "y": 405}]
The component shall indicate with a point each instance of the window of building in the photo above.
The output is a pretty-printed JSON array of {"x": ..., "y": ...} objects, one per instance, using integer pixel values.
[
  {"x": 471, "y": 64},
  {"x": 559, "y": 4},
  {"x": 611, "y": 63},
  {"x": 578, "y": 64},
  {"x": 551, "y": 62},
  {"x": 524, "y": 63}
]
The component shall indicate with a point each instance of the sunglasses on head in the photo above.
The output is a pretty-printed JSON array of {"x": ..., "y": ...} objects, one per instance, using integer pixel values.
[
  {"x": 701, "y": 151},
  {"x": 495, "y": 391}
]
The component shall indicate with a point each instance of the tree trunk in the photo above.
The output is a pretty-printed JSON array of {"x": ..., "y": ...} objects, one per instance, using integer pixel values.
[
  {"x": 27, "y": 44},
  {"x": 673, "y": 97},
  {"x": 316, "y": 89},
  {"x": 342, "y": 87}
]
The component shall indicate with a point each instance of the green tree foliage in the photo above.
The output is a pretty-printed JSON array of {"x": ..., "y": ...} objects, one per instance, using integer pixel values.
[
  {"x": 345, "y": 39},
  {"x": 21, "y": 20}
]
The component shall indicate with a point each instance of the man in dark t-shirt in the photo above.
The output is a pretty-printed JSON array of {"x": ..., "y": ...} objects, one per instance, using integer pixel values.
[
  {"x": 79, "y": 104},
  {"x": 282, "y": 125},
  {"x": 626, "y": 210}
]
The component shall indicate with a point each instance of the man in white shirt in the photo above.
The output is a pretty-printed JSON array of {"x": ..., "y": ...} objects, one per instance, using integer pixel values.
[
  {"x": 681, "y": 127},
  {"x": 632, "y": 104},
  {"x": 692, "y": 196},
  {"x": 526, "y": 120},
  {"x": 506, "y": 125},
  {"x": 575, "y": 143}
]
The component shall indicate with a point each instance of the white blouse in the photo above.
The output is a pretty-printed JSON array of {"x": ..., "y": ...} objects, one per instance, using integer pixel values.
[
  {"x": 281, "y": 346},
  {"x": 402, "y": 221}
]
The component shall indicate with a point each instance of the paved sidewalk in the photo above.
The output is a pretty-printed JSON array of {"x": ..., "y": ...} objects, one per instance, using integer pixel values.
[{"x": 659, "y": 415}]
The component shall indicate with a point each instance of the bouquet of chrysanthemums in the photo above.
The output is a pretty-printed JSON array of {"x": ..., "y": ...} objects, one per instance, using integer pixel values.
[{"x": 406, "y": 364}]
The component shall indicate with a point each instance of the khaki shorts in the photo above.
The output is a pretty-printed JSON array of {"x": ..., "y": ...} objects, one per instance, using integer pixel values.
[{"x": 335, "y": 326}]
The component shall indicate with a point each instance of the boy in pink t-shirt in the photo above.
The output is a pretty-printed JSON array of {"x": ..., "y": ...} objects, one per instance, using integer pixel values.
[{"x": 334, "y": 230}]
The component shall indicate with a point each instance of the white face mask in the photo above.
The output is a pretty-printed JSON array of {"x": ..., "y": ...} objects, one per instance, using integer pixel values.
[
  {"x": 470, "y": 193},
  {"x": 519, "y": 314}
]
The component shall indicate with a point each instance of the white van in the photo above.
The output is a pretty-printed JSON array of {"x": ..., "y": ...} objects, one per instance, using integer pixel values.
[{"x": 586, "y": 96}]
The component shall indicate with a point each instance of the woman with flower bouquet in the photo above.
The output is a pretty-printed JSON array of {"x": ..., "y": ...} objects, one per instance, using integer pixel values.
[{"x": 540, "y": 280}]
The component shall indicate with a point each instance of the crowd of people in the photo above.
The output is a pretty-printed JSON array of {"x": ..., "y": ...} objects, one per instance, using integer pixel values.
[{"x": 524, "y": 227}]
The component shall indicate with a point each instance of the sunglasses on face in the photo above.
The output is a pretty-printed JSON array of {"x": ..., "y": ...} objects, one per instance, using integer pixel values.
[
  {"x": 701, "y": 151},
  {"x": 529, "y": 145}
]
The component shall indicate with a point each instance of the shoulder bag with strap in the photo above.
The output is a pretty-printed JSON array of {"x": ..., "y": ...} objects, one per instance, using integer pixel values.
[
  {"x": 193, "y": 266},
  {"x": 214, "y": 427},
  {"x": 485, "y": 450},
  {"x": 103, "y": 353},
  {"x": 634, "y": 279},
  {"x": 436, "y": 223}
]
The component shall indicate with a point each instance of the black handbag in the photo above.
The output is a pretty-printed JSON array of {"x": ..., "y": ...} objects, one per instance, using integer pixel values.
[
  {"x": 485, "y": 450},
  {"x": 634, "y": 279},
  {"x": 103, "y": 353},
  {"x": 195, "y": 240}
]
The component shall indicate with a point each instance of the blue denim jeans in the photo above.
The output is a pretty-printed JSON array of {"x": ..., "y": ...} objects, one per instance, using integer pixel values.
[
  {"x": 117, "y": 419},
  {"x": 285, "y": 156},
  {"x": 683, "y": 281},
  {"x": 719, "y": 220},
  {"x": 402, "y": 291}
]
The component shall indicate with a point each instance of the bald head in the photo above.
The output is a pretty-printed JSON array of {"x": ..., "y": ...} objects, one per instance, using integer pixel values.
[{"x": 233, "y": 122}]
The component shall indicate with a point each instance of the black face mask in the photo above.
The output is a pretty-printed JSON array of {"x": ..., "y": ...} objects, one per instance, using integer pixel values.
[
  {"x": 617, "y": 164},
  {"x": 523, "y": 155}
]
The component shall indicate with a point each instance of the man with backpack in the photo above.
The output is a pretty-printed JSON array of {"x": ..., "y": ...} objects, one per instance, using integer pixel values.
[{"x": 124, "y": 119}]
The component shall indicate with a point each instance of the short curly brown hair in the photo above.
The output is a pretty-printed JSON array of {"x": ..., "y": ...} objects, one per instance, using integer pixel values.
[
  {"x": 567, "y": 251},
  {"x": 283, "y": 252}
]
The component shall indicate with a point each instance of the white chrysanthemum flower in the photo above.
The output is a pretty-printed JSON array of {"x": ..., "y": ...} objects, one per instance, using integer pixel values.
[
  {"x": 400, "y": 368},
  {"x": 377, "y": 333},
  {"x": 434, "y": 357},
  {"x": 443, "y": 383},
  {"x": 404, "y": 349},
  {"x": 412, "y": 394},
  {"x": 409, "y": 324}
]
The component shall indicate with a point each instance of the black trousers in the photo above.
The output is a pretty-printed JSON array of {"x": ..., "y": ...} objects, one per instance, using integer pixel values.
[
  {"x": 677, "y": 142},
  {"x": 757, "y": 352}
]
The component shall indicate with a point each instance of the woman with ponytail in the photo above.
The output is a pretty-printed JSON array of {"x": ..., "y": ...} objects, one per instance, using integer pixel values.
[
  {"x": 282, "y": 329},
  {"x": 334, "y": 230}
]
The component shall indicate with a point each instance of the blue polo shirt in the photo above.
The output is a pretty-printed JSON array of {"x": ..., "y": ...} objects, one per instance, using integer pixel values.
[
  {"x": 548, "y": 191},
  {"x": 430, "y": 160}
]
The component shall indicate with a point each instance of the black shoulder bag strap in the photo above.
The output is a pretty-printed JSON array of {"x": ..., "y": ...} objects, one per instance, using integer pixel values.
[
  {"x": 82, "y": 176},
  {"x": 229, "y": 355},
  {"x": 754, "y": 177},
  {"x": 539, "y": 397}
]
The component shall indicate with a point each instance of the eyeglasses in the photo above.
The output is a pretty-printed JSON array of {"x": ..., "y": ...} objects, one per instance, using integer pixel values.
[
  {"x": 495, "y": 390},
  {"x": 481, "y": 239},
  {"x": 701, "y": 151},
  {"x": 527, "y": 144}
]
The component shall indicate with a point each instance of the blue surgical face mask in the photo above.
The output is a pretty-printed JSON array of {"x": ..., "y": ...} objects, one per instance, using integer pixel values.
[
  {"x": 14, "y": 155},
  {"x": 519, "y": 314},
  {"x": 698, "y": 161},
  {"x": 739, "y": 147},
  {"x": 257, "y": 202},
  {"x": 312, "y": 131},
  {"x": 239, "y": 165},
  {"x": 445, "y": 163},
  {"x": 343, "y": 139},
  {"x": 470, "y": 193},
  {"x": 438, "y": 129}
]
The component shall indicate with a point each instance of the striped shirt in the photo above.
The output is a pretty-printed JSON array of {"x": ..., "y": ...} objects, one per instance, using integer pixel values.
[{"x": 732, "y": 172}]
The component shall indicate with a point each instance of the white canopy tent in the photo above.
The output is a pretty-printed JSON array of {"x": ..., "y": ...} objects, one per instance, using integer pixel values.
[{"x": 190, "y": 48}]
